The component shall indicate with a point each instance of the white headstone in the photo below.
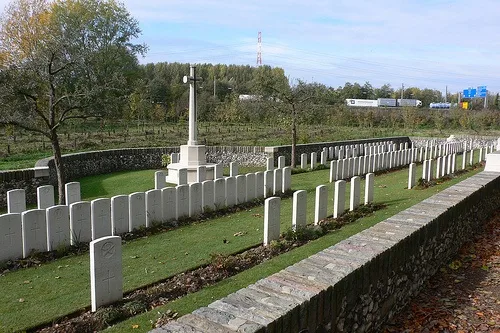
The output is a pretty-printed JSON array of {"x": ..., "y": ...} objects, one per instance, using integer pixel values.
[
  {"x": 268, "y": 183},
  {"x": 183, "y": 176},
  {"x": 220, "y": 193},
  {"x": 153, "y": 207},
  {"x": 355, "y": 193},
  {"x": 438, "y": 167},
  {"x": 106, "y": 276},
  {"x": 250, "y": 182},
  {"x": 160, "y": 180},
  {"x": 100, "y": 218},
  {"x": 303, "y": 161},
  {"x": 11, "y": 238},
  {"x": 201, "y": 173},
  {"x": 333, "y": 171},
  {"x": 449, "y": 161},
  {"x": 323, "y": 157},
  {"x": 259, "y": 184},
  {"x": 16, "y": 201},
  {"x": 339, "y": 198},
  {"x": 34, "y": 227},
  {"x": 233, "y": 169},
  {"x": 230, "y": 191},
  {"x": 119, "y": 214},
  {"x": 195, "y": 199},
  {"x": 271, "y": 219},
  {"x": 314, "y": 159},
  {"x": 174, "y": 158},
  {"x": 169, "y": 203},
  {"x": 453, "y": 162},
  {"x": 412, "y": 175},
  {"x": 331, "y": 153},
  {"x": 321, "y": 203},
  {"x": 72, "y": 193},
  {"x": 79, "y": 222},
  {"x": 45, "y": 196},
  {"x": 430, "y": 166},
  {"x": 136, "y": 210},
  {"x": 58, "y": 231},
  {"x": 278, "y": 179},
  {"x": 424, "y": 169},
  {"x": 207, "y": 199},
  {"x": 464, "y": 160},
  {"x": 281, "y": 162},
  {"x": 299, "y": 213},
  {"x": 286, "y": 183},
  {"x": 182, "y": 194},
  {"x": 241, "y": 189},
  {"x": 270, "y": 164},
  {"x": 340, "y": 168},
  {"x": 471, "y": 157},
  {"x": 219, "y": 171},
  {"x": 369, "y": 185}
]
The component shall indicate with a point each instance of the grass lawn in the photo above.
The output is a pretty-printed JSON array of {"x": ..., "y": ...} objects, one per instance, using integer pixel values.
[{"x": 37, "y": 295}]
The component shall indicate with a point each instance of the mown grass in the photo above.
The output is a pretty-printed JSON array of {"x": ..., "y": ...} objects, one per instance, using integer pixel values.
[{"x": 37, "y": 295}]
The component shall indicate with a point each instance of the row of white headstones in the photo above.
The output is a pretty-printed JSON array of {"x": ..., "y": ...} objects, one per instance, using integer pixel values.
[
  {"x": 53, "y": 226},
  {"x": 106, "y": 280}
]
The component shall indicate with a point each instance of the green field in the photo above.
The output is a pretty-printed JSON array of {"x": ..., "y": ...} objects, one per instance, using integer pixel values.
[{"x": 62, "y": 286}]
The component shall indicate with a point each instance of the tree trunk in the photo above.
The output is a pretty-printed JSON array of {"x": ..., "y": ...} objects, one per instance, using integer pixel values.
[
  {"x": 294, "y": 137},
  {"x": 56, "y": 149}
]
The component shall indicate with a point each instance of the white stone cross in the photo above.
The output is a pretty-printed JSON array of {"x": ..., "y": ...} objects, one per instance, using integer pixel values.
[{"x": 192, "y": 79}]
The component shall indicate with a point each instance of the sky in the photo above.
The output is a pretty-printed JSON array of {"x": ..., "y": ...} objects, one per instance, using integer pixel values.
[{"x": 418, "y": 43}]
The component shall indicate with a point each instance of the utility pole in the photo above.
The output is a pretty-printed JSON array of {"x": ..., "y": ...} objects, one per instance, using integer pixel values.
[
  {"x": 402, "y": 94},
  {"x": 486, "y": 100},
  {"x": 214, "y": 86},
  {"x": 446, "y": 94}
]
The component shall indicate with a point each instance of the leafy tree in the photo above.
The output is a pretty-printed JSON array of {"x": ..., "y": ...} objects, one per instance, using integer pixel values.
[{"x": 63, "y": 60}]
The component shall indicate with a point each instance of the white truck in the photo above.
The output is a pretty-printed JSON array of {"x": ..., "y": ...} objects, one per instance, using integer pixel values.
[
  {"x": 383, "y": 102},
  {"x": 362, "y": 102}
]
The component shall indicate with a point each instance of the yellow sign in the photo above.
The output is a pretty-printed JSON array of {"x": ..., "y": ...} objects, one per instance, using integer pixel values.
[{"x": 465, "y": 105}]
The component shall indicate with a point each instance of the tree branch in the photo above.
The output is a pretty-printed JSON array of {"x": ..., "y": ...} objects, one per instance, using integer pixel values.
[{"x": 26, "y": 127}]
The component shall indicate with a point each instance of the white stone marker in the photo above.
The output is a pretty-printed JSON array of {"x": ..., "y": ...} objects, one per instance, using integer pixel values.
[
  {"x": 153, "y": 207},
  {"x": 425, "y": 165},
  {"x": 269, "y": 163},
  {"x": 271, "y": 219},
  {"x": 58, "y": 233},
  {"x": 250, "y": 183},
  {"x": 268, "y": 183},
  {"x": 430, "y": 166},
  {"x": 278, "y": 180},
  {"x": 79, "y": 222},
  {"x": 45, "y": 196},
  {"x": 303, "y": 161},
  {"x": 233, "y": 169},
  {"x": 449, "y": 161},
  {"x": 281, "y": 162},
  {"x": 34, "y": 230},
  {"x": 241, "y": 189},
  {"x": 16, "y": 201},
  {"x": 72, "y": 193},
  {"x": 106, "y": 276},
  {"x": 182, "y": 206},
  {"x": 169, "y": 203},
  {"x": 183, "y": 176},
  {"x": 11, "y": 237},
  {"x": 438, "y": 167},
  {"x": 321, "y": 203},
  {"x": 259, "y": 184},
  {"x": 369, "y": 185},
  {"x": 195, "y": 199},
  {"x": 453, "y": 162},
  {"x": 355, "y": 193},
  {"x": 207, "y": 198},
  {"x": 299, "y": 213},
  {"x": 480, "y": 157},
  {"x": 201, "y": 173},
  {"x": 286, "y": 183},
  {"x": 412, "y": 175},
  {"x": 100, "y": 218},
  {"x": 444, "y": 165},
  {"x": 314, "y": 159},
  {"x": 230, "y": 191},
  {"x": 323, "y": 157},
  {"x": 471, "y": 157},
  {"x": 220, "y": 193},
  {"x": 219, "y": 171},
  {"x": 333, "y": 171},
  {"x": 340, "y": 168},
  {"x": 137, "y": 210},
  {"x": 339, "y": 198},
  {"x": 160, "y": 180},
  {"x": 119, "y": 214},
  {"x": 174, "y": 158}
]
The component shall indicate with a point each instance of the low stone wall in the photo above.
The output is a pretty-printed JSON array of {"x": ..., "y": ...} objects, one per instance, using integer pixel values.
[
  {"x": 244, "y": 155},
  {"x": 309, "y": 148},
  {"x": 359, "y": 283},
  {"x": 24, "y": 178}
]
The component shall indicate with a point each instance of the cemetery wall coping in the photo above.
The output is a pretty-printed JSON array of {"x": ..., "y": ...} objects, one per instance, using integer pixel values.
[{"x": 359, "y": 283}]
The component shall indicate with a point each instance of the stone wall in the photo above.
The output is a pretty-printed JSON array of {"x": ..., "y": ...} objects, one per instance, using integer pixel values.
[
  {"x": 309, "y": 148},
  {"x": 25, "y": 178},
  {"x": 244, "y": 155},
  {"x": 359, "y": 283}
]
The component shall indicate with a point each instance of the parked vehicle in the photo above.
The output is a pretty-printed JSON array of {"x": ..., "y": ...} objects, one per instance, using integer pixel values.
[
  {"x": 440, "y": 105},
  {"x": 383, "y": 102}
]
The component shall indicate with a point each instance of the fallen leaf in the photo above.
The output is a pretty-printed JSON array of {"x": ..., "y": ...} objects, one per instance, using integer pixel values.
[
  {"x": 135, "y": 326},
  {"x": 21, "y": 300},
  {"x": 58, "y": 277}
]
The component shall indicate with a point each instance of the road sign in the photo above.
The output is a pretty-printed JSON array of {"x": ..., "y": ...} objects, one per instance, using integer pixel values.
[
  {"x": 469, "y": 93},
  {"x": 482, "y": 91}
]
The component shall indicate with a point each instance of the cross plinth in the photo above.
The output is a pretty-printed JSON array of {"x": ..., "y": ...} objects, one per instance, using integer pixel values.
[{"x": 193, "y": 154}]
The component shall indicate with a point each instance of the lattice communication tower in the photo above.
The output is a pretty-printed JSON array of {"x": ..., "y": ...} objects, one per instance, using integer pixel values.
[{"x": 259, "y": 49}]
